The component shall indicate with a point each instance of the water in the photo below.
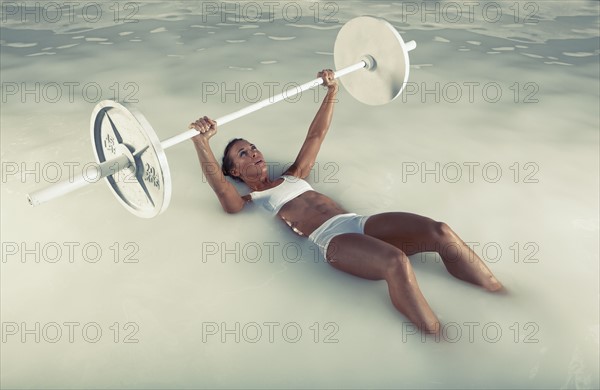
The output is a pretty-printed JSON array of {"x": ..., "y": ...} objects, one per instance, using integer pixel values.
[{"x": 496, "y": 134}]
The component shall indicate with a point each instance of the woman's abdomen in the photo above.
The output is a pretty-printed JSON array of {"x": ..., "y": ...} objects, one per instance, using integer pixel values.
[{"x": 305, "y": 213}]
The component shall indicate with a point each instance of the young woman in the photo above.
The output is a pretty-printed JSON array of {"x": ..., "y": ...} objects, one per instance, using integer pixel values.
[{"x": 373, "y": 247}]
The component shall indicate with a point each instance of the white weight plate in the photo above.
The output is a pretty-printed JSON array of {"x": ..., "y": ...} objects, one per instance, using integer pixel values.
[
  {"x": 368, "y": 35},
  {"x": 145, "y": 188}
]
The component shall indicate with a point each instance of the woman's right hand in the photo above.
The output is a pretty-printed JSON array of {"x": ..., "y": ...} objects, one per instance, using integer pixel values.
[
  {"x": 329, "y": 79},
  {"x": 206, "y": 128}
]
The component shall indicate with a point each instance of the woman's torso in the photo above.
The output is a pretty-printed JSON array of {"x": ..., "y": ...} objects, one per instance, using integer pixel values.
[
  {"x": 305, "y": 213},
  {"x": 297, "y": 204}
]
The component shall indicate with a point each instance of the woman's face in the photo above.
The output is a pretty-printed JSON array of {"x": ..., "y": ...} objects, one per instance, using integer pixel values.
[{"x": 248, "y": 161}]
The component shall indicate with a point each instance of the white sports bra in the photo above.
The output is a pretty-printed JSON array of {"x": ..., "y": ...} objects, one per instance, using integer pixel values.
[{"x": 274, "y": 198}]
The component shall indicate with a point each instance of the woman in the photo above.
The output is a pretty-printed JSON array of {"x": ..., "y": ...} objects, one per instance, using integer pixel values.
[{"x": 374, "y": 247}]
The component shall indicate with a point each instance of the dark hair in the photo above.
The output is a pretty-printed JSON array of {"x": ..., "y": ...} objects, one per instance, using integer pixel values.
[{"x": 227, "y": 164}]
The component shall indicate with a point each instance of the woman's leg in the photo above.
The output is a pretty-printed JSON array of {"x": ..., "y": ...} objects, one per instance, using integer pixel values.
[
  {"x": 413, "y": 233},
  {"x": 370, "y": 258}
]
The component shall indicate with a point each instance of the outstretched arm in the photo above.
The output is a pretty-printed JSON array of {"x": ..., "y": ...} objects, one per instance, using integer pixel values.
[
  {"x": 317, "y": 130},
  {"x": 228, "y": 195}
]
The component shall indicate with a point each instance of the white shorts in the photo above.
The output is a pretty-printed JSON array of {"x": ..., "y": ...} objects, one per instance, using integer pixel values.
[{"x": 334, "y": 226}]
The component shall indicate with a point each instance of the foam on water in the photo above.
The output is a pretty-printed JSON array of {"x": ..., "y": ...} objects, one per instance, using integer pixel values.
[{"x": 515, "y": 175}]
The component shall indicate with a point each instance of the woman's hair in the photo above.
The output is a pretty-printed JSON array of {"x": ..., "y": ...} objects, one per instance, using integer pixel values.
[{"x": 227, "y": 164}]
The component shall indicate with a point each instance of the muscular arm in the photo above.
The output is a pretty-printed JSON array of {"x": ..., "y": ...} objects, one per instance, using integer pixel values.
[
  {"x": 228, "y": 195},
  {"x": 317, "y": 130}
]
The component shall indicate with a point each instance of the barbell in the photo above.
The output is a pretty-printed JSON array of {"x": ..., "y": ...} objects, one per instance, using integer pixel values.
[{"x": 132, "y": 159}]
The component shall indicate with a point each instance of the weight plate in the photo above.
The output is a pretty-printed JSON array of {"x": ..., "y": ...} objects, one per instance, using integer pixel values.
[
  {"x": 368, "y": 35},
  {"x": 145, "y": 188}
]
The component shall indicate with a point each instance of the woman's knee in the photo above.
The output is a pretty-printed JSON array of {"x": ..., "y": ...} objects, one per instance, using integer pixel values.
[
  {"x": 398, "y": 264},
  {"x": 441, "y": 230}
]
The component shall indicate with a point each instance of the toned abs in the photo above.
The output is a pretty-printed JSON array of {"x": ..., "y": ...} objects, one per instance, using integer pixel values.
[{"x": 305, "y": 213}]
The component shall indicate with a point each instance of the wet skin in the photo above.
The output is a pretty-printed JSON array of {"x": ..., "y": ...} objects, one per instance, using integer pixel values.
[
  {"x": 305, "y": 213},
  {"x": 381, "y": 253}
]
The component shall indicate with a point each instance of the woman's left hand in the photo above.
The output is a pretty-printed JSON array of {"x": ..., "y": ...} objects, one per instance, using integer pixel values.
[{"x": 328, "y": 79}]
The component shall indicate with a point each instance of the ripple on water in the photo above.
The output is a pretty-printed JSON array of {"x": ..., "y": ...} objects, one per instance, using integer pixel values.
[
  {"x": 557, "y": 63},
  {"x": 20, "y": 44},
  {"x": 578, "y": 54},
  {"x": 92, "y": 39},
  {"x": 520, "y": 39},
  {"x": 269, "y": 62},
  {"x": 315, "y": 27},
  {"x": 41, "y": 54},
  {"x": 235, "y": 40},
  {"x": 280, "y": 38},
  {"x": 532, "y": 55},
  {"x": 586, "y": 31},
  {"x": 240, "y": 68},
  {"x": 77, "y": 30},
  {"x": 440, "y": 39},
  {"x": 158, "y": 30},
  {"x": 125, "y": 33},
  {"x": 512, "y": 26},
  {"x": 67, "y": 46}
]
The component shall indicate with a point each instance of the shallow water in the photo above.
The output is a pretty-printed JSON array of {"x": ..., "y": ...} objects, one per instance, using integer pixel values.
[{"x": 496, "y": 134}]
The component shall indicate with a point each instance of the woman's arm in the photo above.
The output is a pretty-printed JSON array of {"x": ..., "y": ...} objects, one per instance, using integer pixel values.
[
  {"x": 317, "y": 130},
  {"x": 228, "y": 195}
]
